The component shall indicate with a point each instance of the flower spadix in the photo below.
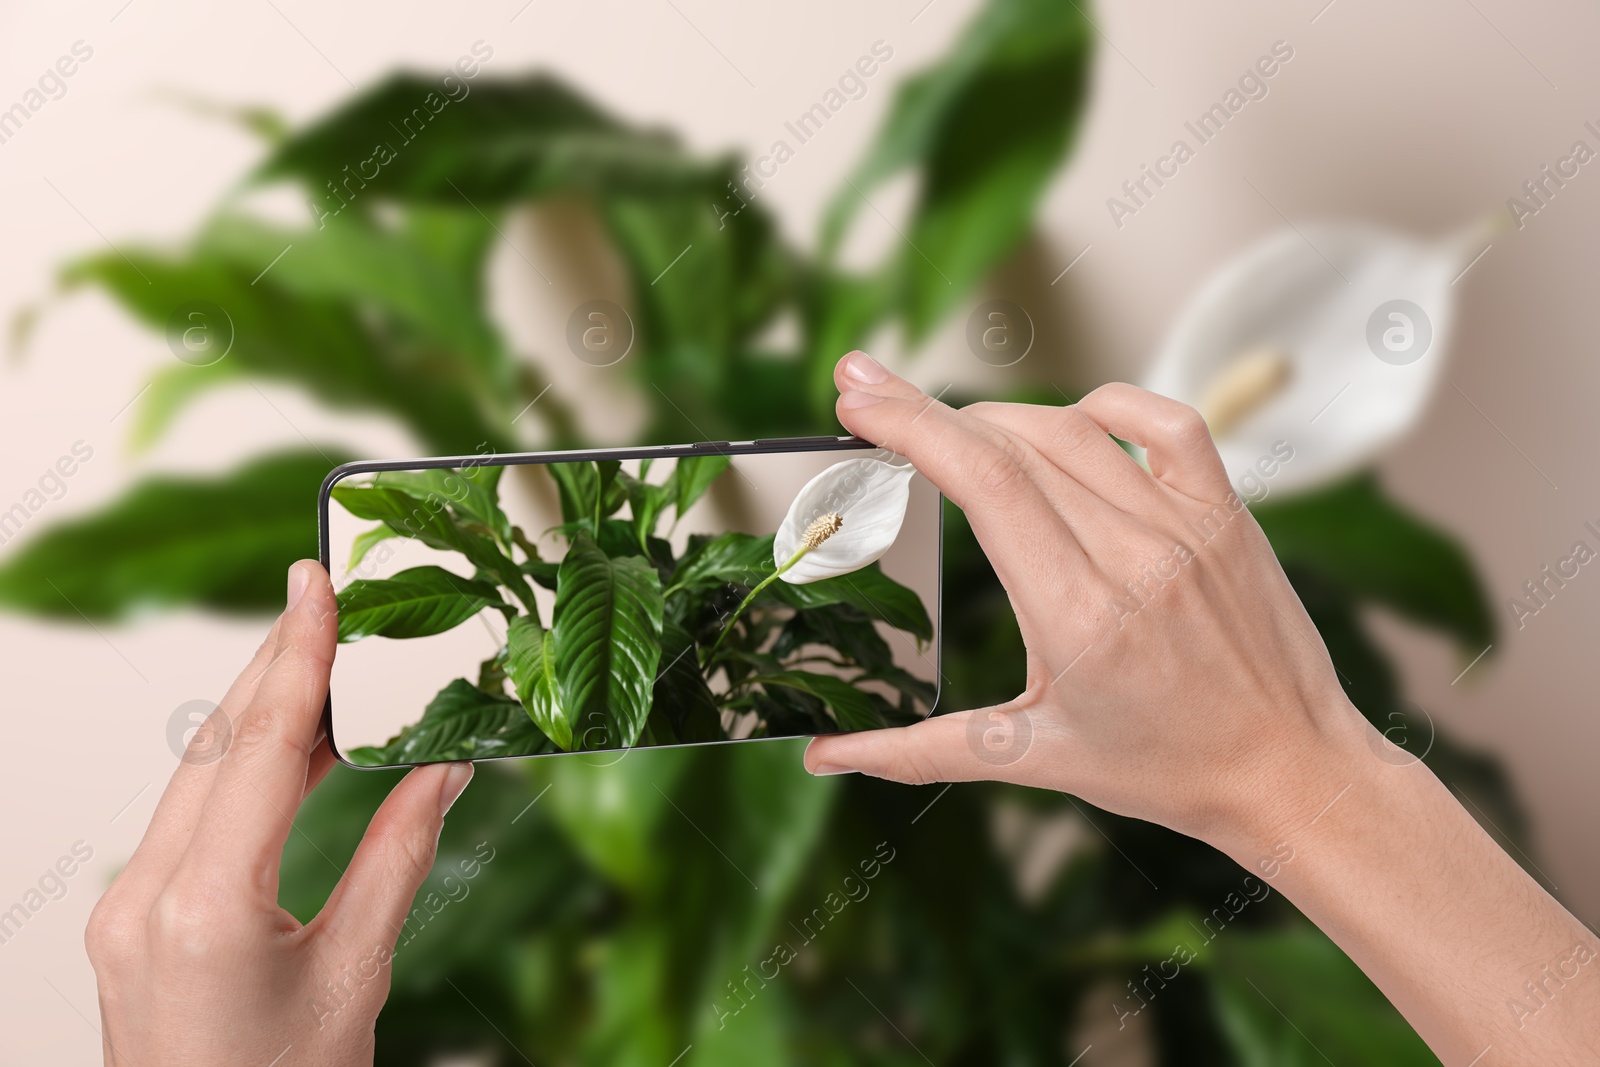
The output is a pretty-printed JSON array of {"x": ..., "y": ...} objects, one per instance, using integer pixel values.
[
  {"x": 843, "y": 519},
  {"x": 1275, "y": 347}
]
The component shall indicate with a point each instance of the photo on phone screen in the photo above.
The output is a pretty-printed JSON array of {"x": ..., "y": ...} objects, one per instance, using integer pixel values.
[{"x": 502, "y": 606}]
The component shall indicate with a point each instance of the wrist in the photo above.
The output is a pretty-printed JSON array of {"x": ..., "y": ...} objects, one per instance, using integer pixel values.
[{"x": 1290, "y": 788}]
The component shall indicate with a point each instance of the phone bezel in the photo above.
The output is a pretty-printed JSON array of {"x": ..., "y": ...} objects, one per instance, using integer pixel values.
[{"x": 760, "y": 446}]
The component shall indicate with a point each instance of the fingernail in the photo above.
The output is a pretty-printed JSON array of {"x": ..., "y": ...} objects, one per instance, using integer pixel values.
[
  {"x": 823, "y": 770},
  {"x": 298, "y": 581},
  {"x": 455, "y": 780},
  {"x": 854, "y": 398},
  {"x": 863, "y": 368}
]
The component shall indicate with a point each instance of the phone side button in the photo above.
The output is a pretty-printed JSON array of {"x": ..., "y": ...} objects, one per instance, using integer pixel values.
[
  {"x": 769, "y": 442},
  {"x": 714, "y": 445}
]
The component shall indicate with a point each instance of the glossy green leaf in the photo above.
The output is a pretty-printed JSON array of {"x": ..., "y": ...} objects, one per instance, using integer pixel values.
[
  {"x": 473, "y": 493},
  {"x": 365, "y": 542},
  {"x": 607, "y": 637},
  {"x": 531, "y": 666},
  {"x": 427, "y": 518},
  {"x": 869, "y": 589},
  {"x": 1357, "y": 538},
  {"x": 217, "y": 541},
  {"x": 852, "y": 709},
  {"x": 461, "y": 722},
  {"x": 691, "y": 478},
  {"x": 416, "y": 602},
  {"x": 729, "y": 557},
  {"x": 683, "y": 709}
]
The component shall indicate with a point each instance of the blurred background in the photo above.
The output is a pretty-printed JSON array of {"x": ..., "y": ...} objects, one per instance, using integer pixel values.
[{"x": 165, "y": 160}]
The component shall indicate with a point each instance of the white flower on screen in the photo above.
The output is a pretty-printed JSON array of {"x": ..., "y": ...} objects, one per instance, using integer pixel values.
[{"x": 843, "y": 519}]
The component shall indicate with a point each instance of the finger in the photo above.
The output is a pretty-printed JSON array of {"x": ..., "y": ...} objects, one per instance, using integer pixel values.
[
  {"x": 1177, "y": 444},
  {"x": 178, "y": 811},
  {"x": 978, "y": 466},
  {"x": 964, "y": 746},
  {"x": 260, "y": 782},
  {"x": 370, "y": 904},
  {"x": 1081, "y": 448}
]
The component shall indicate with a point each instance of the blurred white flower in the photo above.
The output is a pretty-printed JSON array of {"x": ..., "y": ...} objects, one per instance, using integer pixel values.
[
  {"x": 865, "y": 498},
  {"x": 1329, "y": 338}
]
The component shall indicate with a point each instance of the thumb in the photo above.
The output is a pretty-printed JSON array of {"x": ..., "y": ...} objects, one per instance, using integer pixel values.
[{"x": 963, "y": 746}]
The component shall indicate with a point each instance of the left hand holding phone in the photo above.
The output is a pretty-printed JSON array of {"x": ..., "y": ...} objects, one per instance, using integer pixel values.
[{"x": 196, "y": 963}]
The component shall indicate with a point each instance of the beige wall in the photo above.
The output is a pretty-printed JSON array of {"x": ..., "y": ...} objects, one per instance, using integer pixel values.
[{"x": 1419, "y": 114}]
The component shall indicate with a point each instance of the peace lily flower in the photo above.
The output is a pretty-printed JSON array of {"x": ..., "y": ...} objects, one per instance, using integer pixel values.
[
  {"x": 842, "y": 520},
  {"x": 1282, "y": 347}
]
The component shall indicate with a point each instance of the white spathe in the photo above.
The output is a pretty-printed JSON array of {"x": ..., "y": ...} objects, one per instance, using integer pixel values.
[
  {"x": 869, "y": 495},
  {"x": 1339, "y": 404}
]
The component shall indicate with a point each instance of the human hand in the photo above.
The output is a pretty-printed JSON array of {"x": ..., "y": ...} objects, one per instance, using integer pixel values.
[
  {"x": 1173, "y": 674},
  {"x": 195, "y": 960}
]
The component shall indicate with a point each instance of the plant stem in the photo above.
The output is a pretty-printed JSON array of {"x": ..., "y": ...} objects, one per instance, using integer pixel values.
[{"x": 768, "y": 580}]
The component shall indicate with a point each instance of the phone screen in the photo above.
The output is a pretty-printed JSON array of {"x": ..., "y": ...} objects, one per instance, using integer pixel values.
[{"x": 515, "y": 606}]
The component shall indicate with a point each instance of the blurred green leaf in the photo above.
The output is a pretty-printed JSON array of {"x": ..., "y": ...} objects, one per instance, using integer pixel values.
[
  {"x": 986, "y": 128},
  {"x": 507, "y": 139},
  {"x": 1292, "y": 998},
  {"x": 607, "y": 637},
  {"x": 320, "y": 341},
  {"x": 221, "y": 542},
  {"x": 416, "y": 602},
  {"x": 1360, "y": 540}
]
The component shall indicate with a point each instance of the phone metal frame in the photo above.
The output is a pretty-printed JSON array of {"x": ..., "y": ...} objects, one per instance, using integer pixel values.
[{"x": 760, "y": 446}]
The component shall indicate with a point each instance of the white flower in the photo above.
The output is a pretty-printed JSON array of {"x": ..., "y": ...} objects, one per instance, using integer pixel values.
[
  {"x": 1282, "y": 344},
  {"x": 866, "y": 500}
]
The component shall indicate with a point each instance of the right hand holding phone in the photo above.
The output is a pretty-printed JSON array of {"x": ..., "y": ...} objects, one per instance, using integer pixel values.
[{"x": 1173, "y": 675}]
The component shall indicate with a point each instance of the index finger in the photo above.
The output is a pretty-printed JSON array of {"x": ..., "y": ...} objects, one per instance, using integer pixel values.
[{"x": 262, "y": 778}]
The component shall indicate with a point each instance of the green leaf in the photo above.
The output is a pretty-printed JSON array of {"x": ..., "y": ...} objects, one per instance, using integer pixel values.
[
  {"x": 646, "y": 502},
  {"x": 729, "y": 557},
  {"x": 365, "y": 542},
  {"x": 427, "y": 518},
  {"x": 853, "y": 709},
  {"x": 607, "y": 635},
  {"x": 461, "y": 722},
  {"x": 417, "y": 602},
  {"x": 473, "y": 493},
  {"x": 506, "y": 140},
  {"x": 869, "y": 589},
  {"x": 531, "y": 666},
  {"x": 692, "y": 477},
  {"x": 347, "y": 355},
  {"x": 424, "y": 274},
  {"x": 683, "y": 709},
  {"x": 986, "y": 127},
  {"x": 221, "y": 542},
  {"x": 1354, "y": 536}
]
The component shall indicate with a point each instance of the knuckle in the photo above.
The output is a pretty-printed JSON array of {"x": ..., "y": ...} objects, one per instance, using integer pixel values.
[
  {"x": 261, "y": 728},
  {"x": 1187, "y": 427},
  {"x": 186, "y": 920},
  {"x": 996, "y": 471},
  {"x": 111, "y": 937}
]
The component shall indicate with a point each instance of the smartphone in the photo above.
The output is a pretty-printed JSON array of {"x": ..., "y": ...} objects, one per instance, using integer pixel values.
[{"x": 502, "y": 606}]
